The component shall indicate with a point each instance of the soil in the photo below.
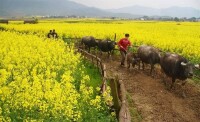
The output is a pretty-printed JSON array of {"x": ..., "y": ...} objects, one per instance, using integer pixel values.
[{"x": 152, "y": 98}]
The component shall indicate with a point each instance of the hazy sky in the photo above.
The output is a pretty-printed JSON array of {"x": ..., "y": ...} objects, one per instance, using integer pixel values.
[{"x": 106, "y": 4}]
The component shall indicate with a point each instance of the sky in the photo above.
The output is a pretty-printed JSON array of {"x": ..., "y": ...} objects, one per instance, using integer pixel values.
[{"x": 110, "y": 4}]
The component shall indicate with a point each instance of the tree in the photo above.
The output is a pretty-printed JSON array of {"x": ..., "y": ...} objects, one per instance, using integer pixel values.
[
  {"x": 193, "y": 19},
  {"x": 176, "y": 19}
]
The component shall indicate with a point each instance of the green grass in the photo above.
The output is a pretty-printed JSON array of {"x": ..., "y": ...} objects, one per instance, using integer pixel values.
[
  {"x": 196, "y": 79},
  {"x": 135, "y": 115},
  {"x": 94, "y": 74},
  {"x": 96, "y": 81}
]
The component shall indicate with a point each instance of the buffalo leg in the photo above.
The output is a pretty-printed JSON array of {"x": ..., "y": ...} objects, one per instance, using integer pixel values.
[
  {"x": 183, "y": 84},
  {"x": 143, "y": 65},
  {"x": 133, "y": 65},
  {"x": 101, "y": 53},
  {"x": 139, "y": 65},
  {"x": 109, "y": 55},
  {"x": 173, "y": 81},
  {"x": 151, "y": 69},
  {"x": 165, "y": 80},
  {"x": 112, "y": 52},
  {"x": 128, "y": 64},
  {"x": 164, "y": 77},
  {"x": 94, "y": 50}
]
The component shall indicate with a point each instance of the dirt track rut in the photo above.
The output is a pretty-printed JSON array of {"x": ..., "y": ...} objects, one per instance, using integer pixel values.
[{"x": 151, "y": 97}]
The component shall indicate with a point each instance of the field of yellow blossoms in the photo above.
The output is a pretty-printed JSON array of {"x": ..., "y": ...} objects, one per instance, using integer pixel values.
[
  {"x": 180, "y": 37},
  {"x": 42, "y": 80}
]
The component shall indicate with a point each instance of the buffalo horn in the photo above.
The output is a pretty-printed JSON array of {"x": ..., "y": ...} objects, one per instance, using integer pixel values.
[
  {"x": 183, "y": 64},
  {"x": 196, "y": 65}
]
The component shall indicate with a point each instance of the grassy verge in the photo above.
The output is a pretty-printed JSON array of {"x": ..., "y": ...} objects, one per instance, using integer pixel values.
[
  {"x": 196, "y": 77},
  {"x": 135, "y": 115},
  {"x": 96, "y": 81},
  {"x": 94, "y": 74}
]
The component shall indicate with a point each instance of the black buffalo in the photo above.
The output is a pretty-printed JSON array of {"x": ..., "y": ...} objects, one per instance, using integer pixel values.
[
  {"x": 106, "y": 45},
  {"x": 149, "y": 55},
  {"x": 176, "y": 67},
  {"x": 132, "y": 59},
  {"x": 89, "y": 41}
]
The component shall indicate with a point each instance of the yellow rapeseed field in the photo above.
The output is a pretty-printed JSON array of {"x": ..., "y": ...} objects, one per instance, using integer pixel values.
[
  {"x": 38, "y": 83},
  {"x": 179, "y": 37},
  {"x": 41, "y": 79}
]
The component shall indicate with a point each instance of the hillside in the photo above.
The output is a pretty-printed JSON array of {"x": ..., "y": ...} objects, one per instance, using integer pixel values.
[
  {"x": 11, "y": 8},
  {"x": 17, "y": 8},
  {"x": 171, "y": 11}
]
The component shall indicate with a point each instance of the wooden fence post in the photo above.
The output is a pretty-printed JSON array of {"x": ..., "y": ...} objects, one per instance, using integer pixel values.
[
  {"x": 103, "y": 86},
  {"x": 117, "y": 88},
  {"x": 92, "y": 60},
  {"x": 124, "y": 114},
  {"x": 103, "y": 67},
  {"x": 114, "y": 92},
  {"x": 97, "y": 62}
]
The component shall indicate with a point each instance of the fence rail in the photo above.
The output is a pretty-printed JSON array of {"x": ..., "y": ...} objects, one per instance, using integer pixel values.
[{"x": 118, "y": 90}]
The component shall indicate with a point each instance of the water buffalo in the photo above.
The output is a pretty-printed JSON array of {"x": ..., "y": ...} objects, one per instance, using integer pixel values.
[
  {"x": 149, "y": 55},
  {"x": 132, "y": 59},
  {"x": 106, "y": 45},
  {"x": 89, "y": 41},
  {"x": 176, "y": 67}
]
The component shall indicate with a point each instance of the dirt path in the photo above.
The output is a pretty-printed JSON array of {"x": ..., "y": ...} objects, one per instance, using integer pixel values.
[{"x": 152, "y": 99}]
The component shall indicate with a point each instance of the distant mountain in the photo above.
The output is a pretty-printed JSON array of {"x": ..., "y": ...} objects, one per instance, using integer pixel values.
[
  {"x": 171, "y": 11},
  {"x": 139, "y": 10},
  {"x": 181, "y": 12},
  {"x": 15, "y": 8}
]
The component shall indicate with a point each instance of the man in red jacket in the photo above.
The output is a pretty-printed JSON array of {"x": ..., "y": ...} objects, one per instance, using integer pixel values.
[{"x": 123, "y": 46}]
